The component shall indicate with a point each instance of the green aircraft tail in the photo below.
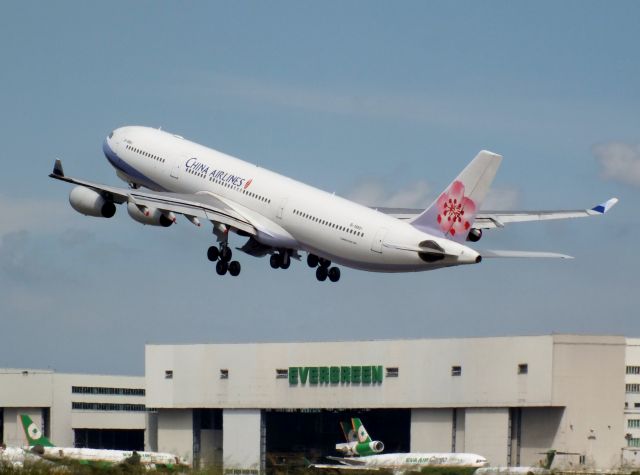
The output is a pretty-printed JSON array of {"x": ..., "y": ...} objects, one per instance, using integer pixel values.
[
  {"x": 33, "y": 433},
  {"x": 361, "y": 433}
]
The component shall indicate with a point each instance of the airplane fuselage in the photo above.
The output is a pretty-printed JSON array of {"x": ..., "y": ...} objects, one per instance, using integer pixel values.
[
  {"x": 420, "y": 460},
  {"x": 297, "y": 216}
]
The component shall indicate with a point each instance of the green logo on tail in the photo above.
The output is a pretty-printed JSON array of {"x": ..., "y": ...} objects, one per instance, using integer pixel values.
[{"x": 33, "y": 433}]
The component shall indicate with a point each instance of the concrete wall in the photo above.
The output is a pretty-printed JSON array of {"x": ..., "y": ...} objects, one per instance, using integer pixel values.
[
  {"x": 539, "y": 429},
  {"x": 588, "y": 380},
  {"x": 431, "y": 430},
  {"x": 425, "y": 379},
  {"x": 487, "y": 433},
  {"x": 175, "y": 432},
  {"x": 241, "y": 439}
]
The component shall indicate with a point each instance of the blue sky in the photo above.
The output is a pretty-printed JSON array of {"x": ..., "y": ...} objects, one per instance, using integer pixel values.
[{"x": 383, "y": 102}]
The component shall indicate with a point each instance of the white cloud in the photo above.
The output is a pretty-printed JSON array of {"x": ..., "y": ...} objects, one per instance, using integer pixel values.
[
  {"x": 620, "y": 162},
  {"x": 374, "y": 192},
  {"x": 500, "y": 199}
]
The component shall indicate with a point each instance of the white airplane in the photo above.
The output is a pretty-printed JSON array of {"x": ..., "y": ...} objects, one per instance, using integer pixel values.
[
  {"x": 281, "y": 217},
  {"x": 359, "y": 442},
  {"x": 39, "y": 444}
]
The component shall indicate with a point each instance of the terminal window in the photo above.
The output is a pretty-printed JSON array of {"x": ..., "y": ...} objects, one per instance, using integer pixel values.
[
  {"x": 106, "y": 406},
  {"x": 392, "y": 372},
  {"x": 168, "y": 374},
  {"x": 634, "y": 442},
  {"x": 523, "y": 368},
  {"x": 633, "y": 369},
  {"x": 633, "y": 388},
  {"x": 456, "y": 371},
  {"x": 633, "y": 423},
  {"x": 282, "y": 373},
  {"x": 224, "y": 374},
  {"x": 110, "y": 391}
]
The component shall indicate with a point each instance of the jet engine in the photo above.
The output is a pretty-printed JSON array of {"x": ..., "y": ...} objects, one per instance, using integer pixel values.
[
  {"x": 91, "y": 203},
  {"x": 474, "y": 235},
  {"x": 150, "y": 216}
]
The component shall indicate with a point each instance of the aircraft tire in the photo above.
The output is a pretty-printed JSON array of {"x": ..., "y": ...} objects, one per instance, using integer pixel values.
[
  {"x": 222, "y": 267},
  {"x": 325, "y": 263},
  {"x": 312, "y": 260},
  {"x": 285, "y": 261},
  {"x": 213, "y": 253},
  {"x": 234, "y": 268},
  {"x": 225, "y": 254},
  {"x": 334, "y": 274},
  {"x": 275, "y": 261},
  {"x": 321, "y": 273}
]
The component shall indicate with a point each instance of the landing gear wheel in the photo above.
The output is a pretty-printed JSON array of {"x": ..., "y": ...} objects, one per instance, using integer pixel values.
[
  {"x": 334, "y": 274},
  {"x": 312, "y": 260},
  {"x": 285, "y": 261},
  {"x": 325, "y": 263},
  {"x": 222, "y": 267},
  {"x": 225, "y": 253},
  {"x": 275, "y": 261},
  {"x": 234, "y": 268},
  {"x": 213, "y": 253},
  {"x": 321, "y": 273}
]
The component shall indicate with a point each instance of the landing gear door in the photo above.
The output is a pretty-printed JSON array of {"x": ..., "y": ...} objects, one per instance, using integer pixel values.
[{"x": 376, "y": 244}]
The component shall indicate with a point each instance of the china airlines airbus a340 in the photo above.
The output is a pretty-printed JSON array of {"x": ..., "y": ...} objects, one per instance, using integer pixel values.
[{"x": 283, "y": 218}]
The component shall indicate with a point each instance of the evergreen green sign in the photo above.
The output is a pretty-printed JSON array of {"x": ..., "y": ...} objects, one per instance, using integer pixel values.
[{"x": 319, "y": 375}]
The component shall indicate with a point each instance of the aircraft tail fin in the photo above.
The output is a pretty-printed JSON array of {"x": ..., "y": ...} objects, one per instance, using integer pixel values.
[
  {"x": 361, "y": 433},
  {"x": 33, "y": 433},
  {"x": 348, "y": 432},
  {"x": 453, "y": 213}
]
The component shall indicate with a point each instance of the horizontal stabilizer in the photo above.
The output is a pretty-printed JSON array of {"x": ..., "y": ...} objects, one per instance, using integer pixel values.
[{"x": 523, "y": 254}]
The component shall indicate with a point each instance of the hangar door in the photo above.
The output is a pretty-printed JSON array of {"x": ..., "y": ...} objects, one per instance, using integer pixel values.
[
  {"x": 114, "y": 439},
  {"x": 295, "y": 435}
]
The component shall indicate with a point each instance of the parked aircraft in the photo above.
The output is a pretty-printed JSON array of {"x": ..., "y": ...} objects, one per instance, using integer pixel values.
[
  {"x": 281, "y": 217},
  {"x": 402, "y": 462},
  {"x": 43, "y": 447},
  {"x": 358, "y": 441},
  {"x": 544, "y": 468}
]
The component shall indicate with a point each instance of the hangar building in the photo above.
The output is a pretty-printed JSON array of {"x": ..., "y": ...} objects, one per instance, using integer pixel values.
[
  {"x": 507, "y": 398},
  {"x": 78, "y": 410}
]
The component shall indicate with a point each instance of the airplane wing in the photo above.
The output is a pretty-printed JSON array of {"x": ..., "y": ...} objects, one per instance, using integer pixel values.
[
  {"x": 343, "y": 467},
  {"x": 498, "y": 219},
  {"x": 198, "y": 205}
]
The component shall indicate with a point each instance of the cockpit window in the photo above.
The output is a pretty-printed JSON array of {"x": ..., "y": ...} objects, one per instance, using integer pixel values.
[{"x": 111, "y": 135}]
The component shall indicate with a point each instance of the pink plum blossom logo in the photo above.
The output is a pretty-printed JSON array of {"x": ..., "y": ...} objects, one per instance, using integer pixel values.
[{"x": 454, "y": 208}]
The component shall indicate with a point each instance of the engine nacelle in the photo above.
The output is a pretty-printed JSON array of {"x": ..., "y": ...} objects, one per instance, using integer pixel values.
[
  {"x": 91, "y": 203},
  {"x": 150, "y": 216},
  {"x": 360, "y": 448},
  {"x": 375, "y": 446},
  {"x": 474, "y": 235}
]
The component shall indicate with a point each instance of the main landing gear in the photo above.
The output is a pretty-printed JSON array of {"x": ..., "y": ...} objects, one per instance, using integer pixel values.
[
  {"x": 223, "y": 255},
  {"x": 280, "y": 260},
  {"x": 323, "y": 269}
]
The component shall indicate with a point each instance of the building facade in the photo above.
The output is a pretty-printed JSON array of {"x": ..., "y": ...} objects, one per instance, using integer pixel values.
[
  {"x": 509, "y": 398},
  {"x": 74, "y": 409}
]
